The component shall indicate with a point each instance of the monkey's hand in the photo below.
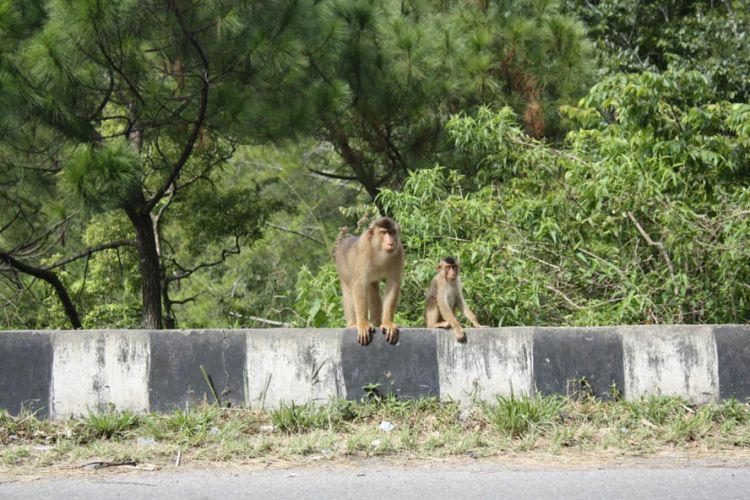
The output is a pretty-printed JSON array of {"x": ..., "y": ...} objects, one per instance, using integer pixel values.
[
  {"x": 363, "y": 332},
  {"x": 460, "y": 335},
  {"x": 390, "y": 331}
]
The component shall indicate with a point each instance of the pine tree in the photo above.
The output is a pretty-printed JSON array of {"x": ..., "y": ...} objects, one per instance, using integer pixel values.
[
  {"x": 129, "y": 105},
  {"x": 393, "y": 72}
]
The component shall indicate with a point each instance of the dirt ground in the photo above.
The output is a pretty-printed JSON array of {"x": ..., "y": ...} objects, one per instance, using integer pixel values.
[{"x": 579, "y": 460}]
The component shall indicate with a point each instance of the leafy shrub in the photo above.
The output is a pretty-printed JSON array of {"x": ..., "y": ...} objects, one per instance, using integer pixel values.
[{"x": 641, "y": 216}]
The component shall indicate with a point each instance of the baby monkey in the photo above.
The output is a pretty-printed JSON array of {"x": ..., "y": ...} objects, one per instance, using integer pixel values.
[{"x": 444, "y": 296}]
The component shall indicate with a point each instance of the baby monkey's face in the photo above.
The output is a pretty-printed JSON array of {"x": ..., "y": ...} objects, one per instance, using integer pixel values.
[{"x": 449, "y": 270}]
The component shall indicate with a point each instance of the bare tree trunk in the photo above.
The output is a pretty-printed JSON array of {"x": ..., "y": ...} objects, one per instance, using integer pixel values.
[{"x": 148, "y": 266}]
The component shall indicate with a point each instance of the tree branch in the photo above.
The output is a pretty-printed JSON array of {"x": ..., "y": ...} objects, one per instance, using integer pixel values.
[
  {"x": 298, "y": 233},
  {"x": 261, "y": 320},
  {"x": 91, "y": 250},
  {"x": 184, "y": 301},
  {"x": 657, "y": 244},
  {"x": 567, "y": 299},
  {"x": 332, "y": 176},
  {"x": 187, "y": 272},
  {"x": 52, "y": 279},
  {"x": 10, "y": 222},
  {"x": 187, "y": 150}
]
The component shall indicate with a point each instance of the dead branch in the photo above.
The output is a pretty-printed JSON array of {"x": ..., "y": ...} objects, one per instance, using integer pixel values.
[
  {"x": 657, "y": 244},
  {"x": 567, "y": 299},
  {"x": 298, "y": 233},
  {"x": 261, "y": 320}
]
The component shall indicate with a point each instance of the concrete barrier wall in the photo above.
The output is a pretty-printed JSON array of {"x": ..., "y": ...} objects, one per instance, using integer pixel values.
[{"x": 63, "y": 373}]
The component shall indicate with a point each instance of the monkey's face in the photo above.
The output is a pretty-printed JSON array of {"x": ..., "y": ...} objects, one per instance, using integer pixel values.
[
  {"x": 388, "y": 239},
  {"x": 449, "y": 271}
]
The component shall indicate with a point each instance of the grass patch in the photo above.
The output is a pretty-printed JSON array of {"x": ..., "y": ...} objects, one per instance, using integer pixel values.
[
  {"x": 195, "y": 422},
  {"x": 518, "y": 416},
  {"x": 303, "y": 418},
  {"x": 379, "y": 426},
  {"x": 110, "y": 425}
]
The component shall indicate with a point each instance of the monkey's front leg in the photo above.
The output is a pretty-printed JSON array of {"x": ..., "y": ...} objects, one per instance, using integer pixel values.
[
  {"x": 364, "y": 327},
  {"x": 447, "y": 312},
  {"x": 471, "y": 316},
  {"x": 388, "y": 327}
]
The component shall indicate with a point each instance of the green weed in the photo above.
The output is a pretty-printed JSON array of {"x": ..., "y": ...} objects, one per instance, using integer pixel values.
[
  {"x": 517, "y": 416},
  {"x": 301, "y": 418},
  {"x": 187, "y": 424},
  {"x": 109, "y": 425},
  {"x": 730, "y": 410},
  {"x": 14, "y": 455},
  {"x": 424, "y": 427},
  {"x": 656, "y": 410}
]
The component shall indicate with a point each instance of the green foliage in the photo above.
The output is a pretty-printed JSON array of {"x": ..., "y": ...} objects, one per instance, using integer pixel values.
[
  {"x": 635, "y": 36},
  {"x": 318, "y": 298},
  {"x": 636, "y": 215},
  {"x": 376, "y": 406},
  {"x": 26, "y": 425},
  {"x": 657, "y": 410},
  {"x": 392, "y": 73},
  {"x": 732, "y": 411},
  {"x": 639, "y": 219},
  {"x": 258, "y": 285},
  {"x": 129, "y": 106},
  {"x": 336, "y": 415},
  {"x": 208, "y": 214},
  {"x": 104, "y": 177}
]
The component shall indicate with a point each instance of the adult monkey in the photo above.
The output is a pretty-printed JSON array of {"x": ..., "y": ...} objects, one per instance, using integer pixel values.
[
  {"x": 362, "y": 262},
  {"x": 444, "y": 296}
]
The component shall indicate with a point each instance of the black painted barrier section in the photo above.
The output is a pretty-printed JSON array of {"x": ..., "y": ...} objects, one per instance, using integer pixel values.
[
  {"x": 569, "y": 361},
  {"x": 408, "y": 369},
  {"x": 175, "y": 377},
  {"x": 25, "y": 371},
  {"x": 733, "y": 351}
]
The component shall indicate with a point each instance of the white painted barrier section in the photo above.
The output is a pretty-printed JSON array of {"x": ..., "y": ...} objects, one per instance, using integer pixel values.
[
  {"x": 492, "y": 362},
  {"x": 670, "y": 361},
  {"x": 285, "y": 366},
  {"x": 94, "y": 370}
]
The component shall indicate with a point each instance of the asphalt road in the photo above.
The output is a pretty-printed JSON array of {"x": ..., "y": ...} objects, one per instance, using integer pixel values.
[{"x": 377, "y": 481}]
